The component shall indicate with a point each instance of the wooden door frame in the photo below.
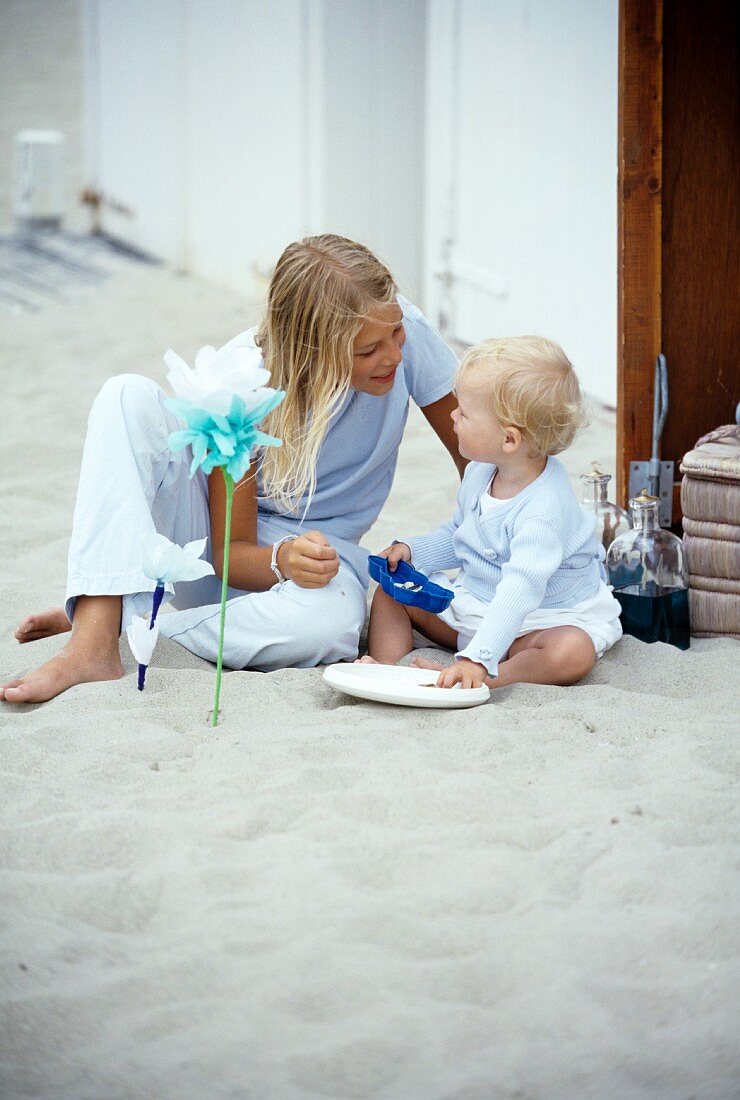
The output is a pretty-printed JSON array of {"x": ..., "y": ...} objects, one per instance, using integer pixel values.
[{"x": 640, "y": 182}]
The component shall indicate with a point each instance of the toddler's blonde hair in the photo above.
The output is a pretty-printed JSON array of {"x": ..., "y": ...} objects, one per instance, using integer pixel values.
[
  {"x": 529, "y": 384},
  {"x": 321, "y": 292}
]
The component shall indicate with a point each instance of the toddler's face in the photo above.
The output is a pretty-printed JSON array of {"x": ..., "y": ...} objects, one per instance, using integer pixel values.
[{"x": 479, "y": 435}]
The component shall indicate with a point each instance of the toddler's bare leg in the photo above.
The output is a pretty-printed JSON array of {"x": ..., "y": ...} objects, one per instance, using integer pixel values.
[
  {"x": 90, "y": 654},
  {"x": 44, "y": 624},
  {"x": 392, "y": 625},
  {"x": 561, "y": 655},
  {"x": 390, "y": 635}
]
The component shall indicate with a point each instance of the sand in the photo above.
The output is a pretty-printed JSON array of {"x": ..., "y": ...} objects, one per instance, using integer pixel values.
[{"x": 329, "y": 898}]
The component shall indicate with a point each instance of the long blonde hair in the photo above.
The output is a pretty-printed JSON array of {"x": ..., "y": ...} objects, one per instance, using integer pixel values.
[{"x": 321, "y": 292}]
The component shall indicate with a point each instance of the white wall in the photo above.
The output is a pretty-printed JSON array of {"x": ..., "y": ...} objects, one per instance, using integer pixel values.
[
  {"x": 522, "y": 199},
  {"x": 135, "y": 80},
  {"x": 471, "y": 143},
  {"x": 246, "y": 116},
  {"x": 373, "y": 112},
  {"x": 231, "y": 127}
]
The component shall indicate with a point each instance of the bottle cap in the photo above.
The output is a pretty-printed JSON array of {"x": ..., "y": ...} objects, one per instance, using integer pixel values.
[
  {"x": 644, "y": 500},
  {"x": 596, "y": 474}
]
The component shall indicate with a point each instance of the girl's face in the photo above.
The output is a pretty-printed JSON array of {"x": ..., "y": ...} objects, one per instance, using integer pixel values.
[
  {"x": 479, "y": 435},
  {"x": 376, "y": 351}
]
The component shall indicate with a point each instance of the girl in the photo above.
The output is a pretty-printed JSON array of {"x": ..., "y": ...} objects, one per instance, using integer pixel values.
[
  {"x": 531, "y": 604},
  {"x": 348, "y": 351}
]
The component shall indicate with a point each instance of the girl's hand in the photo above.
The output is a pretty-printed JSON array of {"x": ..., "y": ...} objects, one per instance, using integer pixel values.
[
  {"x": 469, "y": 674},
  {"x": 310, "y": 561},
  {"x": 399, "y": 551}
]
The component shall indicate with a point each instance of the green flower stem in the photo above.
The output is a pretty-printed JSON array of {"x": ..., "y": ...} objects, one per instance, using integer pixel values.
[{"x": 229, "y": 481}]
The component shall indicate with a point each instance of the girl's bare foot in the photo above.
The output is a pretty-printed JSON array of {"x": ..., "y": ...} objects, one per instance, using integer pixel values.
[
  {"x": 70, "y": 667},
  {"x": 45, "y": 624},
  {"x": 90, "y": 654},
  {"x": 365, "y": 661}
]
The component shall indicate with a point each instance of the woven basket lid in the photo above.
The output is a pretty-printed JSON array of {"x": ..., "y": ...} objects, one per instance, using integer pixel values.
[{"x": 718, "y": 459}]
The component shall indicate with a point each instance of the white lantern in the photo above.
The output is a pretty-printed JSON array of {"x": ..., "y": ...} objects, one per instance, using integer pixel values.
[{"x": 38, "y": 179}]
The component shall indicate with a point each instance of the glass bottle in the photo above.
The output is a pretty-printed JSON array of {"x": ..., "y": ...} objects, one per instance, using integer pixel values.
[
  {"x": 647, "y": 567},
  {"x": 609, "y": 520}
]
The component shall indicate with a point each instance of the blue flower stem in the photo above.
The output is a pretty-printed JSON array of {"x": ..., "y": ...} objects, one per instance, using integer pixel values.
[
  {"x": 156, "y": 602},
  {"x": 229, "y": 481}
]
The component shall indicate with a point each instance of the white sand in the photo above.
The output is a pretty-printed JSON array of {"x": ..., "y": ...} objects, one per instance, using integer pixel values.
[{"x": 328, "y": 898}]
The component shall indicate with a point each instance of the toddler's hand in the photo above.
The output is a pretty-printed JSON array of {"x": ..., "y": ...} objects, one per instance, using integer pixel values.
[
  {"x": 310, "y": 561},
  {"x": 469, "y": 674},
  {"x": 399, "y": 551}
]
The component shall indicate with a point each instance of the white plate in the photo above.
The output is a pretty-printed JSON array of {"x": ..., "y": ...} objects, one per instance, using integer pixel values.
[{"x": 406, "y": 687}]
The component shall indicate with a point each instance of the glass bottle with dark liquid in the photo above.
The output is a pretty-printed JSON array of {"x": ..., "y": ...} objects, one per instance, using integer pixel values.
[{"x": 647, "y": 567}]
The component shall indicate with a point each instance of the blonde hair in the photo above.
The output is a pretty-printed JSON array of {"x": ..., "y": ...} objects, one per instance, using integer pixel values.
[
  {"x": 531, "y": 385},
  {"x": 321, "y": 292}
]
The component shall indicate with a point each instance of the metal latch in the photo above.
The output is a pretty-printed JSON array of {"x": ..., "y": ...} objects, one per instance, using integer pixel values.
[{"x": 657, "y": 475}]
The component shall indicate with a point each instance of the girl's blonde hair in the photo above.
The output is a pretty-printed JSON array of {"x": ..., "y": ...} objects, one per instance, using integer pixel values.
[
  {"x": 530, "y": 384},
  {"x": 321, "y": 292}
]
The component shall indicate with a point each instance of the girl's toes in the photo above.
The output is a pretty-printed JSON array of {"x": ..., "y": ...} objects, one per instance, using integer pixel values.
[
  {"x": 26, "y": 630},
  {"x": 11, "y": 684},
  {"x": 44, "y": 624}
]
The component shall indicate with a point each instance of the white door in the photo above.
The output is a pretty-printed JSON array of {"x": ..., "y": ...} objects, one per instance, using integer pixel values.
[
  {"x": 522, "y": 175},
  {"x": 135, "y": 82}
]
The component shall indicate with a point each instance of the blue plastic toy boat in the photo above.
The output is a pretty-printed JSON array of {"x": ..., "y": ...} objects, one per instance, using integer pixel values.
[{"x": 408, "y": 585}]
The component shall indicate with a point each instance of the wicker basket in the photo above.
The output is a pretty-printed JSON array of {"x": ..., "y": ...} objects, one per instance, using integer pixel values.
[{"x": 710, "y": 501}]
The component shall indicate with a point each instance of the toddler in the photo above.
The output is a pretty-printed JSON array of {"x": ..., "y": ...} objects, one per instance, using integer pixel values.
[{"x": 531, "y": 603}]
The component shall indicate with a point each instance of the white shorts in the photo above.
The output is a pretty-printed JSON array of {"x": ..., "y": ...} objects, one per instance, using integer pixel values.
[{"x": 598, "y": 615}]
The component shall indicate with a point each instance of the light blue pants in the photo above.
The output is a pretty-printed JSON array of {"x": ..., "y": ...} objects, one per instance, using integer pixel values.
[{"x": 132, "y": 484}]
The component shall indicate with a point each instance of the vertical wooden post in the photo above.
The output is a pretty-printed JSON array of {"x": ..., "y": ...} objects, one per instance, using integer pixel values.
[{"x": 640, "y": 184}]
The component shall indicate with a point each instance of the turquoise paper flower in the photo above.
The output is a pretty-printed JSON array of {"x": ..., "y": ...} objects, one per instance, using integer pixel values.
[
  {"x": 223, "y": 440},
  {"x": 221, "y": 403},
  {"x": 217, "y": 376}
]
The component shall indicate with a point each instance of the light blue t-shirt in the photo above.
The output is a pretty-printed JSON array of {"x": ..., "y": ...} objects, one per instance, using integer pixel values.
[{"x": 357, "y": 459}]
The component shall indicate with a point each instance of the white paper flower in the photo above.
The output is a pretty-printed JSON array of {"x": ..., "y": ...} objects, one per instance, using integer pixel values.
[
  {"x": 141, "y": 639},
  {"x": 219, "y": 376},
  {"x": 167, "y": 562}
]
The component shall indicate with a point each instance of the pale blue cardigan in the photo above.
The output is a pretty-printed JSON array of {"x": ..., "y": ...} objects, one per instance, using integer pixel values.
[{"x": 536, "y": 550}]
